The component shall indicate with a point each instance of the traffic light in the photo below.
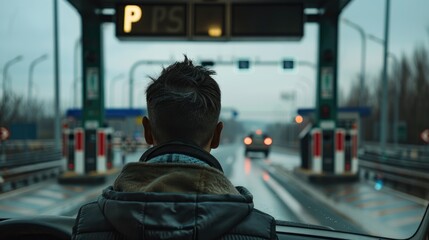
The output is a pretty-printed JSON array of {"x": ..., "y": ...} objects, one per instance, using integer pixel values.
[
  {"x": 243, "y": 64},
  {"x": 325, "y": 112},
  {"x": 288, "y": 64},
  {"x": 207, "y": 63},
  {"x": 299, "y": 119}
]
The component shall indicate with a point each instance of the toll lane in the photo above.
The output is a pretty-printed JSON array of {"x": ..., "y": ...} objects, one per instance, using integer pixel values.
[
  {"x": 365, "y": 207},
  {"x": 52, "y": 198},
  {"x": 245, "y": 171}
]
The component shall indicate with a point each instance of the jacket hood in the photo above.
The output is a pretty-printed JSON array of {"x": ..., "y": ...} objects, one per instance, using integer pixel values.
[
  {"x": 172, "y": 178},
  {"x": 157, "y": 215}
]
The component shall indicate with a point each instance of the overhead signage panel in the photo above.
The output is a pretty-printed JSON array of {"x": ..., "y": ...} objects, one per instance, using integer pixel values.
[
  {"x": 267, "y": 20},
  {"x": 151, "y": 20},
  {"x": 210, "y": 21}
]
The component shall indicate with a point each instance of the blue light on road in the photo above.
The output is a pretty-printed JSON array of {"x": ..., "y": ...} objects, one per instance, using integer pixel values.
[{"x": 378, "y": 185}]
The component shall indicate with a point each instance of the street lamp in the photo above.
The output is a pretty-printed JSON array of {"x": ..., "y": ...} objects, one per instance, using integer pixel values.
[
  {"x": 291, "y": 97},
  {"x": 131, "y": 75},
  {"x": 383, "y": 112},
  {"x": 396, "y": 99},
  {"x": 363, "y": 56},
  {"x": 6, "y": 67},
  {"x": 112, "y": 87},
  {"x": 307, "y": 86},
  {"x": 75, "y": 72},
  {"x": 30, "y": 74}
]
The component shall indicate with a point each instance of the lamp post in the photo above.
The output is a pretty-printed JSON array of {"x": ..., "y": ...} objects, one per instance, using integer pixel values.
[
  {"x": 6, "y": 67},
  {"x": 290, "y": 96},
  {"x": 131, "y": 76},
  {"x": 307, "y": 86},
  {"x": 57, "y": 134},
  {"x": 30, "y": 74},
  {"x": 75, "y": 72},
  {"x": 396, "y": 82},
  {"x": 363, "y": 56},
  {"x": 112, "y": 87},
  {"x": 383, "y": 118}
]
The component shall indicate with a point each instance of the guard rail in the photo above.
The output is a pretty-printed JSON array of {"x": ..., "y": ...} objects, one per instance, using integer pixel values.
[
  {"x": 22, "y": 169},
  {"x": 404, "y": 174}
]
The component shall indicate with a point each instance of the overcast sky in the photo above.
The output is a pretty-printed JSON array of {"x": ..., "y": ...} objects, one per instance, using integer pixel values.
[{"x": 26, "y": 29}]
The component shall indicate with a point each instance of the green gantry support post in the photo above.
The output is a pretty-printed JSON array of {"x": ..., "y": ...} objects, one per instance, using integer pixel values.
[
  {"x": 93, "y": 83},
  {"x": 326, "y": 105},
  {"x": 92, "y": 65}
]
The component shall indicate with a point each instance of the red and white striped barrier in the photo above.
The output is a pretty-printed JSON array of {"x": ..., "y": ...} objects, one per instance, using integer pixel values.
[
  {"x": 101, "y": 151},
  {"x": 79, "y": 150},
  {"x": 354, "y": 138},
  {"x": 340, "y": 135},
  {"x": 103, "y": 146},
  {"x": 317, "y": 139}
]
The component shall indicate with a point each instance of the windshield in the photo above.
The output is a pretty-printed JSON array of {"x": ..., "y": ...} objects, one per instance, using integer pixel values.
[{"x": 341, "y": 125}]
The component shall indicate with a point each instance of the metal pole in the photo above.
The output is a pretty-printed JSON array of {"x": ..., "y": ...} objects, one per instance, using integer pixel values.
[
  {"x": 363, "y": 56},
  {"x": 308, "y": 86},
  {"x": 131, "y": 84},
  {"x": 395, "y": 102},
  {"x": 6, "y": 67},
  {"x": 131, "y": 76},
  {"x": 30, "y": 75},
  {"x": 396, "y": 84},
  {"x": 383, "y": 117},
  {"x": 75, "y": 72},
  {"x": 57, "y": 136},
  {"x": 362, "y": 72},
  {"x": 112, "y": 85}
]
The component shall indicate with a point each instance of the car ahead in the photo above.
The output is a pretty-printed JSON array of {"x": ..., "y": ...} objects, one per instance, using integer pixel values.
[{"x": 257, "y": 142}]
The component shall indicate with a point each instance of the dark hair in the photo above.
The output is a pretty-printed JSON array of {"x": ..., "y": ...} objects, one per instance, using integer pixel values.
[{"x": 184, "y": 103}]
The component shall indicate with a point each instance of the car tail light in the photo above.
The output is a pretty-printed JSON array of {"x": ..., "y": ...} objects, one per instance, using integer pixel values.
[
  {"x": 247, "y": 141},
  {"x": 268, "y": 141}
]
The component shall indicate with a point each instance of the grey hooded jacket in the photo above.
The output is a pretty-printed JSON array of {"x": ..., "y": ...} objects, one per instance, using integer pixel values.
[{"x": 173, "y": 201}]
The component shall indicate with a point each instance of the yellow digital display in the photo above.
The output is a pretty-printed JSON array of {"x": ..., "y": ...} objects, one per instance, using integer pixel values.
[{"x": 151, "y": 20}]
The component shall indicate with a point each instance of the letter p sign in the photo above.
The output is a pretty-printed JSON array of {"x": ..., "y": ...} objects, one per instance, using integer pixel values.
[{"x": 132, "y": 14}]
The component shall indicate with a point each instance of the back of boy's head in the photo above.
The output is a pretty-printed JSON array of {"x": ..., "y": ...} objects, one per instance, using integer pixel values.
[{"x": 184, "y": 103}]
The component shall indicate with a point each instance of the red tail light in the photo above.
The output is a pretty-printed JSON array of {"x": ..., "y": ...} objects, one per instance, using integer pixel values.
[
  {"x": 268, "y": 141},
  {"x": 247, "y": 140}
]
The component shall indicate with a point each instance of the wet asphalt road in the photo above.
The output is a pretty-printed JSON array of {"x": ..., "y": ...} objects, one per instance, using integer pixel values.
[{"x": 269, "y": 180}]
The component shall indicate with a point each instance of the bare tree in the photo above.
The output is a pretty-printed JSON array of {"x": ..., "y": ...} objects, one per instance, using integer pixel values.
[{"x": 413, "y": 78}]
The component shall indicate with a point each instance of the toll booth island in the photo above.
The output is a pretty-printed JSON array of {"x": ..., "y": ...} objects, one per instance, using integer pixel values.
[
  {"x": 186, "y": 20},
  {"x": 331, "y": 154}
]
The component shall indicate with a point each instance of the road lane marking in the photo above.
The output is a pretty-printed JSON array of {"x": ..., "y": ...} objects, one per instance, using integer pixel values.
[
  {"x": 390, "y": 211},
  {"x": 16, "y": 210},
  {"x": 43, "y": 202},
  {"x": 52, "y": 194},
  {"x": 399, "y": 222},
  {"x": 289, "y": 200}
]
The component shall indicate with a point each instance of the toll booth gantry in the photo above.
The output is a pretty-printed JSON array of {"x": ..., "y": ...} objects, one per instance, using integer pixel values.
[{"x": 203, "y": 20}]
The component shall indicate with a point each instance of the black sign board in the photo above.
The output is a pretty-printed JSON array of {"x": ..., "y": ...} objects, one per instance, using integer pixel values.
[
  {"x": 210, "y": 21},
  {"x": 269, "y": 20}
]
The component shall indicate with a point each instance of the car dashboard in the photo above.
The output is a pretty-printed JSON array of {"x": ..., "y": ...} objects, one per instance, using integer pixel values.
[{"x": 60, "y": 228}]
